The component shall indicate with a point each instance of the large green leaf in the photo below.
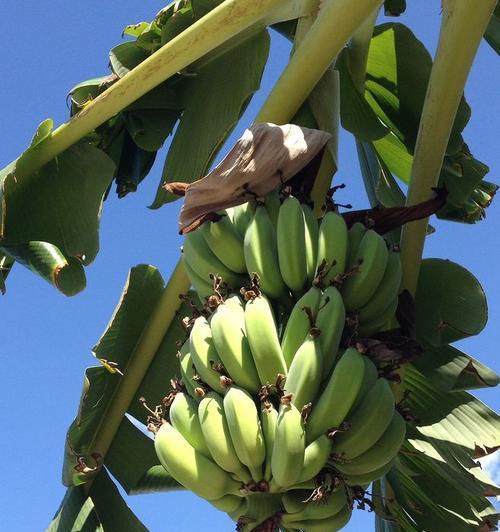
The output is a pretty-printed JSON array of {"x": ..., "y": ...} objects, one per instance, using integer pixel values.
[
  {"x": 213, "y": 101},
  {"x": 140, "y": 296},
  {"x": 450, "y": 303},
  {"x": 455, "y": 418},
  {"x": 398, "y": 71},
  {"x": 59, "y": 204},
  {"x": 103, "y": 510},
  {"x": 356, "y": 115},
  {"x": 452, "y": 370}
]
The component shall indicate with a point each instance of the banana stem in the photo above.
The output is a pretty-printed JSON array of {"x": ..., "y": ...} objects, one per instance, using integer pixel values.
[
  {"x": 462, "y": 27},
  {"x": 141, "y": 360},
  {"x": 221, "y": 24},
  {"x": 337, "y": 21}
]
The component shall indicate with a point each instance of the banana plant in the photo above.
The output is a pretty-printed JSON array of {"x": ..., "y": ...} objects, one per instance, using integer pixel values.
[{"x": 201, "y": 59}]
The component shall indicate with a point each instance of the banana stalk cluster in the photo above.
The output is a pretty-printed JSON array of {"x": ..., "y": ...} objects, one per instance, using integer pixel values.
[{"x": 277, "y": 419}]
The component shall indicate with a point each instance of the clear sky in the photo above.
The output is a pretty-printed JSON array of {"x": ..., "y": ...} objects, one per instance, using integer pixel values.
[{"x": 49, "y": 46}]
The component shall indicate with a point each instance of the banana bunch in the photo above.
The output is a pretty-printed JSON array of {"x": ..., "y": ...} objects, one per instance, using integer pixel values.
[{"x": 277, "y": 417}]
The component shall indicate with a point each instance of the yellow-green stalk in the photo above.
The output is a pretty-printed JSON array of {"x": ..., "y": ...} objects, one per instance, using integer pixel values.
[
  {"x": 335, "y": 24},
  {"x": 221, "y": 24},
  {"x": 462, "y": 27}
]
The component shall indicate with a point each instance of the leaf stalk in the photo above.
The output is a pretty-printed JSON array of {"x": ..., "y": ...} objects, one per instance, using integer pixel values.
[{"x": 462, "y": 27}]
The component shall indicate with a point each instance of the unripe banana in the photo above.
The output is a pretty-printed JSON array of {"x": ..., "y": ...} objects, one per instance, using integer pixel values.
[
  {"x": 367, "y": 423},
  {"x": 263, "y": 339},
  {"x": 330, "y": 524},
  {"x": 293, "y": 500},
  {"x": 370, "y": 377},
  {"x": 291, "y": 240},
  {"x": 228, "y": 503},
  {"x": 387, "y": 290},
  {"x": 330, "y": 321},
  {"x": 217, "y": 436},
  {"x": 191, "y": 468},
  {"x": 205, "y": 354},
  {"x": 367, "y": 478},
  {"x": 183, "y": 415},
  {"x": 339, "y": 395},
  {"x": 273, "y": 203},
  {"x": 382, "y": 452},
  {"x": 235, "y": 303},
  {"x": 242, "y": 215},
  {"x": 268, "y": 421},
  {"x": 245, "y": 429},
  {"x": 304, "y": 375},
  {"x": 355, "y": 234},
  {"x": 333, "y": 245},
  {"x": 372, "y": 260},
  {"x": 187, "y": 369},
  {"x": 289, "y": 446},
  {"x": 380, "y": 322},
  {"x": 261, "y": 253},
  {"x": 203, "y": 287},
  {"x": 315, "y": 457},
  {"x": 231, "y": 342},
  {"x": 200, "y": 258},
  {"x": 225, "y": 243},
  {"x": 298, "y": 324},
  {"x": 312, "y": 232}
]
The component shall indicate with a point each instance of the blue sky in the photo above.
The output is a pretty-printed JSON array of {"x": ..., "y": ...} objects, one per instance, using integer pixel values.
[{"x": 49, "y": 46}]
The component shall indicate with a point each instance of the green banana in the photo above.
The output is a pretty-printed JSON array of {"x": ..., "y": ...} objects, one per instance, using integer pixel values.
[
  {"x": 245, "y": 429},
  {"x": 355, "y": 235},
  {"x": 372, "y": 258},
  {"x": 187, "y": 370},
  {"x": 329, "y": 524},
  {"x": 235, "y": 303},
  {"x": 183, "y": 415},
  {"x": 263, "y": 339},
  {"x": 231, "y": 342},
  {"x": 200, "y": 258},
  {"x": 367, "y": 478},
  {"x": 312, "y": 235},
  {"x": 215, "y": 429},
  {"x": 239, "y": 511},
  {"x": 242, "y": 216},
  {"x": 303, "y": 511},
  {"x": 268, "y": 421},
  {"x": 261, "y": 254},
  {"x": 298, "y": 324},
  {"x": 330, "y": 321},
  {"x": 203, "y": 287},
  {"x": 289, "y": 446},
  {"x": 204, "y": 354},
  {"x": 191, "y": 468},
  {"x": 315, "y": 457},
  {"x": 387, "y": 290},
  {"x": 273, "y": 203},
  {"x": 333, "y": 245},
  {"x": 228, "y": 503},
  {"x": 339, "y": 395},
  {"x": 291, "y": 240},
  {"x": 368, "y": 422},
  {"x": 225, "y": 243},
  {"x": 383, "y": 450},
  {"x": 370, "y": 377},
  {"x": 304, "y": 375},
  {"x": 381, "y": 322}
]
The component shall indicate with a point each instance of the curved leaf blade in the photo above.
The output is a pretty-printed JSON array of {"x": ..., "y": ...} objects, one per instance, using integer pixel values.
[{"x": 450, "y": 303}]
